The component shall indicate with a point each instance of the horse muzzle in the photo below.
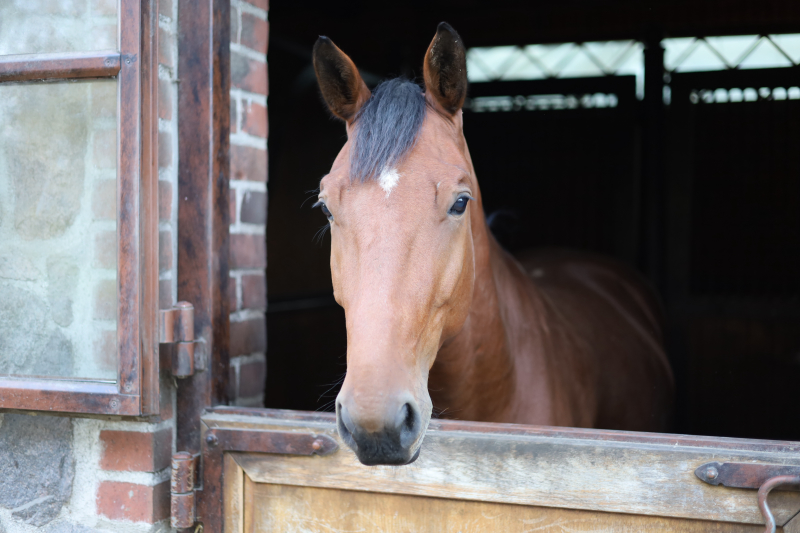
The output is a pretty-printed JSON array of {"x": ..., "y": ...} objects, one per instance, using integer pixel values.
[{"x": 392, "y": 439}]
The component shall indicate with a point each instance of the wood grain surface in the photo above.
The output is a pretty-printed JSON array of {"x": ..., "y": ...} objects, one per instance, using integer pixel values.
[
  {"x": 272, "y": 508},
  {"x": 543, "y": 469}
]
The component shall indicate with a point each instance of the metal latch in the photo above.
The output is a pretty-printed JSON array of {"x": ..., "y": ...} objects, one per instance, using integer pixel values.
[
  {"x": 763, "y": 477},
  {"x": 181, "y": 487},
  {"x": 176, "y": 329}
]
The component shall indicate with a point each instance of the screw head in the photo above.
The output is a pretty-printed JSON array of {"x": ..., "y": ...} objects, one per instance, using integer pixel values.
[
  {"x": 712, "y": 472},
  {"x": 316, "y": 445},
  {"x": 212, "y": 440}
]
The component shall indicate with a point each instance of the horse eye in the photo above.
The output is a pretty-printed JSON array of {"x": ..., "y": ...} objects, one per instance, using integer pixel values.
[
  {"x": 324, "y": 209},
  {"x": 460, "y": 206}
]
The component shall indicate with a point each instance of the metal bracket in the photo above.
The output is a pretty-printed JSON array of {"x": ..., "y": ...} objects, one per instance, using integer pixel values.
[
  {"x": 217, "y": 441},
  {"x": 763, "y": 477},
  {"x": 176, "y": 328}
]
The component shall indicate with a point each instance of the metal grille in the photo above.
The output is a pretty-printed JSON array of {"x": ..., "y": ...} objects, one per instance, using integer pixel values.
[{"x": 694, "y": 54}]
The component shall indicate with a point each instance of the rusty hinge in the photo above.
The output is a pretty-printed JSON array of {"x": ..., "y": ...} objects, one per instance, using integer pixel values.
[
  {"x": 181, "y": 488},
  {"x": 176, "y": 329},
  {"x": 763, "y": 477}
]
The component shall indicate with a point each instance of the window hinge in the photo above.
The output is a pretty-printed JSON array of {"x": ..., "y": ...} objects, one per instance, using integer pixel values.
[
  {"x": 176, "y": 334},
  {"x": 181, "y": 487}
]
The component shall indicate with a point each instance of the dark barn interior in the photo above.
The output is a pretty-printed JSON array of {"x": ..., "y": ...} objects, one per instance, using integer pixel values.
[{"x": 703, "y": 198}]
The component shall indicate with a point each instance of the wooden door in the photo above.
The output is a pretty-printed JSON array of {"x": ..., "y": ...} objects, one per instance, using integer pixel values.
[{"x": 474, "y": 477}]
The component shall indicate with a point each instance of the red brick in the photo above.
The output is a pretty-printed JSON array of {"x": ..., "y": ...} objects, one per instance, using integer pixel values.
[
  {"x": 104, "y": 200},
  {"x": 248, "y": 336},
  {"x": 165, "y": 99},
  {"x": 252, "y": 378},
  {"x": 164, "y": 251},
  {"x": 232, "y": 206},
  {"x": 105, "y": 149},
  {"x": 132, "y": 451},
  {"x": 255, "y": 33},
  {"x": 105, "y": 300},
  {"x": 105, "y": 249},
  {"x": 254, "y": 291},
  {"x": 254, "y": 119},
  {"x": 248, "y": 251},
  {"x": 105, "y": 351},
  {"x": 165, "y": 8},
  {"x": 234, "y": 305},
  {"x": 248, "y": 74},
  {"x": 254, "y": 208},
  {"x": 165, "y": 294},
  {"x": 164, "y": 149},
  {"x": 234, "y": 116},
  {"x": 248, "y": 163},
  {"x": 263, "y": 4},
  {"x": 164, "y": 200},
  {"x": 118, "y": 500},
  {"x": 164, "y": 48}
]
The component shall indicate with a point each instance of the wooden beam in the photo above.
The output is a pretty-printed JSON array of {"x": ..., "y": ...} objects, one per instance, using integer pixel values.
[
  {"x": 59, "y": 66},
  {"x": 203, "y": 217},
  {"x": 589, "y": 470}
]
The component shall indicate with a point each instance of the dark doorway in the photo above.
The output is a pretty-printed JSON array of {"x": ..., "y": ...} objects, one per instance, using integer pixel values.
[{"x": 571, "y": 175}]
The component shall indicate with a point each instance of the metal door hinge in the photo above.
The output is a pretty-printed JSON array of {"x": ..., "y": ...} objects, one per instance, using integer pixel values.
[
  {"x": 176, "y": 329},
  {"x": 763, "y": 477},
  {"x": 181, "y": 487}
]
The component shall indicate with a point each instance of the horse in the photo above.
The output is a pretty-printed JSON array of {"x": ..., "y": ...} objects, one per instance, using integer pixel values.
[{"x": 437, "y": 313}]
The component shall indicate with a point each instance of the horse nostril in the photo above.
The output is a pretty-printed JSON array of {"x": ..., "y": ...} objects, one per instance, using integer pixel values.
[{"x": 407, "y": 422}]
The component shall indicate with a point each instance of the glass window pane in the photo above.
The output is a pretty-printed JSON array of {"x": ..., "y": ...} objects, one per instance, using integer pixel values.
[
  {"x": 48, "y": 26},
  {"x": 58, "y": 271}
]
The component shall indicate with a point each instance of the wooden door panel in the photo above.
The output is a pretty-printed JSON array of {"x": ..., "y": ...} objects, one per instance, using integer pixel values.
[
  {"x": 271, "y": 508},
  {"x": 490, "y": 477}
]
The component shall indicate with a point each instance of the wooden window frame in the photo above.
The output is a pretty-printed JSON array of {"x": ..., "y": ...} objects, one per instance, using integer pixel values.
[{"x": 135, "y": 67}]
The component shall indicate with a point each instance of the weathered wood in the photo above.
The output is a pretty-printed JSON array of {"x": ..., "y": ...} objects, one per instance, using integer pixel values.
[
  {"x": 793, "y": 526},
  {"x": 203, "y": 218},
  {"x": 286, "y": 508},
  {"x": 66, "y": 396},
  {"x": 233, "y": 493},
  {"x": 29, "y": 67},
  {"x": 607, "y": 474}
]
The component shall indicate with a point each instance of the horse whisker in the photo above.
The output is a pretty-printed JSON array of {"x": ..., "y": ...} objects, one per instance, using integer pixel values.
[{"x": 321, "y": 233}]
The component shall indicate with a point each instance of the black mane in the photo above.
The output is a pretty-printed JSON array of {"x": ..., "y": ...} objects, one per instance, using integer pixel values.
[{"x": 386, "y": 128}]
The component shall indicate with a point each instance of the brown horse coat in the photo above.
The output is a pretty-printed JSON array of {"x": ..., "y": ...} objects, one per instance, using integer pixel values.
[
  {"x": 437, "y": 313},
  {"x": 575, "y": 341}
]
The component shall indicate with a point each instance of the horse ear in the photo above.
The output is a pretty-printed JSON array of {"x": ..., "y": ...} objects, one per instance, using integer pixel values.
[
  {"x": 445, "y": 69},
  {"x": 342, "y": 87}
]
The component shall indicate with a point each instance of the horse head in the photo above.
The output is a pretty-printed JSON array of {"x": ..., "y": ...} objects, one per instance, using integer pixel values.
[{"x": 401, "y": 199}]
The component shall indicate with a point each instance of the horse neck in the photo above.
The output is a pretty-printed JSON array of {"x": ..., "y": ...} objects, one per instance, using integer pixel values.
[{"x": 473, "y": 375}]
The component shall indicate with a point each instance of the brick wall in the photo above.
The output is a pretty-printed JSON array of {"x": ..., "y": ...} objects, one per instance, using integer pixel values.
[{"x": 248, "y": 200}]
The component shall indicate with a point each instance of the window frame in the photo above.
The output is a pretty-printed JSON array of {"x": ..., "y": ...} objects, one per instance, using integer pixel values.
[{"x": 135, "y": 67}]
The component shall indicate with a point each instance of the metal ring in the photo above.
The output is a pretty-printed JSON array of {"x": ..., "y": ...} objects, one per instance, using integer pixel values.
[{"x": 764, "y": 491}]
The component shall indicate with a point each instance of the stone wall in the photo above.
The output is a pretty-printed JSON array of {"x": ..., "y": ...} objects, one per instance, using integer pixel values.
[
  {"x": 90, "y": 475},
  {"x": 62, "y": 474},
  {"x": 248, "y": 200}
]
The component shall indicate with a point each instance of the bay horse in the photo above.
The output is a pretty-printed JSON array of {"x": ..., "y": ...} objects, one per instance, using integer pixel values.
[{"x": 437, "y": 313}]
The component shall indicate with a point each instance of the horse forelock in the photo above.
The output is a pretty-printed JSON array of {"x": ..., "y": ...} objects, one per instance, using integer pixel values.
[{"x": 386, "y": 128}]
